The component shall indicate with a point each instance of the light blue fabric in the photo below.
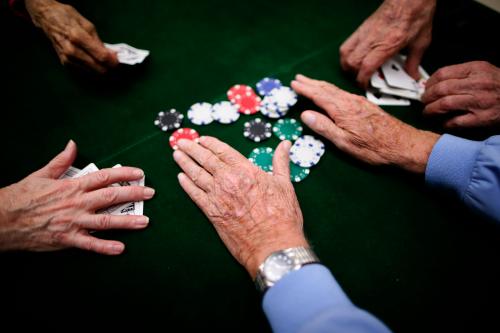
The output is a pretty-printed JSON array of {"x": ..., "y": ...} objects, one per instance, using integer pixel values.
[
  {"x": 310, "y": 300},
  {"x": 470, "y": 169}
]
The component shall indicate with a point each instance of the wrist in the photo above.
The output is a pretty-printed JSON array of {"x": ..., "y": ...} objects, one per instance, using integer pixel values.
[
  {"x": 415, "y": 156},
  {"x": 260, "y": 254},
  {"x": 36, "y": 8}
]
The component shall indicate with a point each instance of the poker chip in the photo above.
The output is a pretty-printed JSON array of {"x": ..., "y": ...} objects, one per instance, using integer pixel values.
[
  {"x": 200, "y": 113},
  {"x": 267, "y": 84},
  {"x": 263, "y": 158},
  {"x": 239, "y": 90},
  {"x": 257, "y": 130},
  {"x": 183, "y": 133},
  {"x": 270, "y": 109},
  {"x": 284, "y": 97},
  {"x": 307, "y": 151},
  {"x": 297, "y": 173},
  {"x": 167, "y": 120},
  {"x": 249, "y": 103},
  {"x": 225, "y": 112},
  {"x": 287, "y": 129}
]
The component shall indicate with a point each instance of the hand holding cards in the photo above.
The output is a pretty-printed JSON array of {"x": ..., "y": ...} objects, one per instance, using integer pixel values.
[
  {"x": 130, "y": 208},
  {"x": 391, "y": 85},
  {"x": 127, "y": 54}
]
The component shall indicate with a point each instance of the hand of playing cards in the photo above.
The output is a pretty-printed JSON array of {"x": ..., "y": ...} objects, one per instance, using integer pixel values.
[
  {"x": 391, "y": 85},
  {"x": 130, "y": 208},
  {"x": 127, "y": 54}
]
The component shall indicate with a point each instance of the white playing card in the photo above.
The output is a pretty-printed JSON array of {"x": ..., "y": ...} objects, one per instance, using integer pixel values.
[
  {"x": 88, "y": 169},
  {"x": 70, "y": 173},
  {"x": 396, "y": 76},
  {"x": 378, "y": 81},
  {"x": 127, "y": 54},
  {"x": 129, "y": 208},
  {"x": 383, "y": 99}
]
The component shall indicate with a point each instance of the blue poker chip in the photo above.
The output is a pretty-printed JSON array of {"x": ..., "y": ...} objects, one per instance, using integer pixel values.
[{"x": 267, "y": 84}]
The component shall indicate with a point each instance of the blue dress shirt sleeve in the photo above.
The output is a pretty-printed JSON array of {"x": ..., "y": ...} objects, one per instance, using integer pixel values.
[
  {"x": 470, "y": 169},
  {"x": 310, "y": 300}
]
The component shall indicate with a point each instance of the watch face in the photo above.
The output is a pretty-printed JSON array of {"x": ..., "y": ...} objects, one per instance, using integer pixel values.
[{"x": 276, "y": 266}]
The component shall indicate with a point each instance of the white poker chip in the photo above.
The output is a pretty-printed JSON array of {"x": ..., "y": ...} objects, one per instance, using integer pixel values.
[
  {"x": 200, "y": 113},
  {"x": 307, "y": 151},
  {"x": 225, "y": 112},
  {"x": 284, "y": 97},
  {"x": 270, "y": 108}
]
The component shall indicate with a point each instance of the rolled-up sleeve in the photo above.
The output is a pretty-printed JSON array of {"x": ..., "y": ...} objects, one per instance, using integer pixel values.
[
  {"x": 470, "y": 169},
  {"x": 310, "y": 300}
]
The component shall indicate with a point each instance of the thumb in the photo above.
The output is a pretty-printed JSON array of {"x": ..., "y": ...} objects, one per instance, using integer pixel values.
[
  {"x": 59, "y": 164},
  {"x": 281, "y": 160},
  {"x": 322, "y": 125}
]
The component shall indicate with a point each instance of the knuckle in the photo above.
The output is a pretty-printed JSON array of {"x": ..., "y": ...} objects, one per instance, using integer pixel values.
[
  {"x": 104, "y": 221},
  {"x": 102, "y": 177},
  {"x": 447, "y": 103},
  {"x": 109, "y": 195}
]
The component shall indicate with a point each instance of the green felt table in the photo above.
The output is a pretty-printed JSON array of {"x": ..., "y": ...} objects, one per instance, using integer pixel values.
[{"x": 413, "y": 257}]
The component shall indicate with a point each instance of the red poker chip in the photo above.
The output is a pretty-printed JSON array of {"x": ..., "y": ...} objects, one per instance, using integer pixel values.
[
  {"x": 239, "y": 90},
  {"x": 183, "y": 133},
  {"x": 248, "y": 103}
]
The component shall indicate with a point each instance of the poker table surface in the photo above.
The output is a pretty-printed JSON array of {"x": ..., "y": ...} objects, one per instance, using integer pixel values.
[{"x": 412, "y": 256}]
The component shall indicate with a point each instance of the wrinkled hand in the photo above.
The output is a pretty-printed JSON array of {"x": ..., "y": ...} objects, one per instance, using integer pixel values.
[
  {"x": 469, "y": 93},
  {"x": 362, "y": 129},
  {"x": 44, "y": 213},
  {"x": 73, "y": 37},
  {"x": 254, "y": 213},
  {"x": 396, "y": 24}
]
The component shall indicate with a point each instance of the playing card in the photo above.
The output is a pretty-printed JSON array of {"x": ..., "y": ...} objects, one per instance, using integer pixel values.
[
  {"x": 127, "y": 54},
  {"x": 378, "y": 80},
  {"x": 129, "y": 208},
  {"x": 70, "y": 173},
  {"x": 85, "y": 171},
  {"x": 396, "y": 76},
  {"x": 383, "y": 99}
]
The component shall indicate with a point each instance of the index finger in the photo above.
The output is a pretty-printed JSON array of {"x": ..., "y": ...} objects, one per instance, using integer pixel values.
[
  {"x": 205, "y": 158},
  {"x": 460, "y": 71},
  {"x": 106, "y": 177},
  {"x": 222, "y": 150}
]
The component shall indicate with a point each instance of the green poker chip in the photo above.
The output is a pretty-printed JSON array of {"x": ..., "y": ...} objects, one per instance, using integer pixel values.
[
  {"x": 263, "y": 158},
  {"x": 287, "y": 129},
  {"x": 297, "y": 173}
]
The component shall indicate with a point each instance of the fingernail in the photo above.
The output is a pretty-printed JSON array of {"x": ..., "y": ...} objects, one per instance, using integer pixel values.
[
  {"x": 149, "y": 192},
  {"x": 138, "y": 173},
  {"x": 177, "y": 154},
  {"x": 287, "y": 144},
  {"x": 308, "y": 118},
  {"x": 180, "y": 176},
  {"x": 117, "y": 248},
  {"x": 142, "y": 221},
  {"x": 70, "y": 142}
]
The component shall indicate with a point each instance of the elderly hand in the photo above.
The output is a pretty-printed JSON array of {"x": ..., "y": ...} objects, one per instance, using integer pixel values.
[
  {"x": 468, "y": 93},
  {"x": 254, "y": 213},
  {"x": 362, "y": 129},
  {"x": 73, "y": 37},
  {"x": 395, "y": 25},
  {"x": 44, "y": 213}
]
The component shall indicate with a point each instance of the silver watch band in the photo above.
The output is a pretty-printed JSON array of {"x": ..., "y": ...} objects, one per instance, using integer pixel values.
[{"x": 300, "y": 256}]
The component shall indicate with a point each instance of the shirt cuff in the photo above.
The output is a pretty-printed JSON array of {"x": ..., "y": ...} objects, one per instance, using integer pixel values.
[
  {"x": 301, "y": 295},
  {"x": 450, "y": 163}
]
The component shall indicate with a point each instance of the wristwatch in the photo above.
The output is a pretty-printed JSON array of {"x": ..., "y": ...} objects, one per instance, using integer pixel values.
[{"x": 280, "y": 263}]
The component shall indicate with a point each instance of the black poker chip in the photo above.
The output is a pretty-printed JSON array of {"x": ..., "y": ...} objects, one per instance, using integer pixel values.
[
  {"x": 168, "y": 120},
  {"x": 257, "y": 130}
]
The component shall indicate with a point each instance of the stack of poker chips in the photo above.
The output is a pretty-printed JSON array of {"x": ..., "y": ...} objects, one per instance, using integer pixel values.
[{"x": 274, "y": 102}]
